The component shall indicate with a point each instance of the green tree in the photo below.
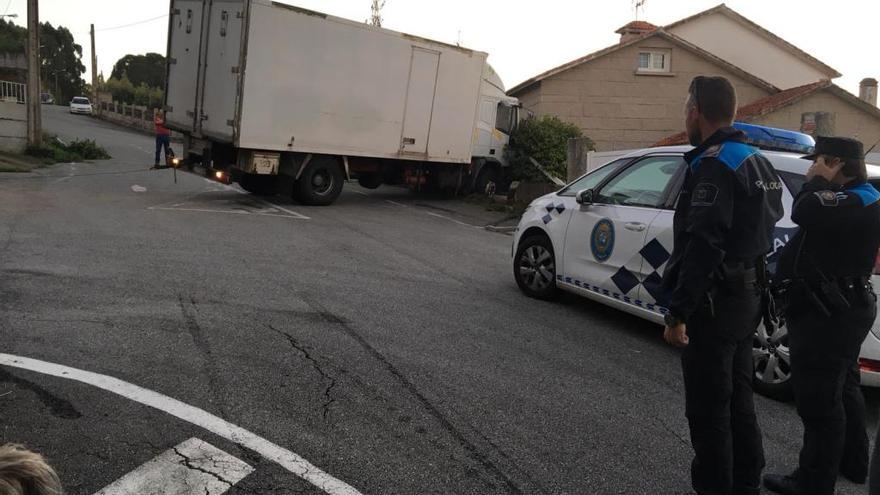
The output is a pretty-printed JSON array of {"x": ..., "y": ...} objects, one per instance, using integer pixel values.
[
  {"x": 61, "y": 61},
  {"x": 546, "y": 140},
  {"x": 146, "y": 69},
  {"x": 12, "y": 37}
]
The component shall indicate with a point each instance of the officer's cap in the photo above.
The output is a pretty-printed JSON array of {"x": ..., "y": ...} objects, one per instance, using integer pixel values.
[{"x": 840, "y": 147}]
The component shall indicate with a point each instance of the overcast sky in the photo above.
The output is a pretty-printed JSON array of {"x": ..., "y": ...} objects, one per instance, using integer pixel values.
[{"x": 522, "y": 37}]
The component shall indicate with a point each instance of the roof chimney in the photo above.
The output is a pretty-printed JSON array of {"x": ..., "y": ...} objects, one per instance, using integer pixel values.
[
  {"x": 868, "y": 90},
  {"x": 634, "y": 29}
]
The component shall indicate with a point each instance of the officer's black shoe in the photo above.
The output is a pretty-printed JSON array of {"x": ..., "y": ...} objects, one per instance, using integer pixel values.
[
  {"x": 858, "y": 478},
  {"x": 786, "y": 484}
]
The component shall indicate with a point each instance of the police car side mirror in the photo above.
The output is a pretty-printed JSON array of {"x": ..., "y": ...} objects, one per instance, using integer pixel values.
[{"x": 584, "y": 197}]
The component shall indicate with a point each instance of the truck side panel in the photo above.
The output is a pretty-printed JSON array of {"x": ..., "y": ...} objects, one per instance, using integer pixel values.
[
  {"x": 224, "y": 31},
  {"x": 319, "y": 84},
  {"x": 184, "y": 40}
]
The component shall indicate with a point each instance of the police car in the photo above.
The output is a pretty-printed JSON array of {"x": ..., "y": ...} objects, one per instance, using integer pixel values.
[{"x": 608, "y": 236}]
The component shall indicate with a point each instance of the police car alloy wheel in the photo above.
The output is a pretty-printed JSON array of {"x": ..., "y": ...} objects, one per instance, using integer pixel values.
[
  {"x": 535, "y": 267},
  {"x": 772, "y": 359}
]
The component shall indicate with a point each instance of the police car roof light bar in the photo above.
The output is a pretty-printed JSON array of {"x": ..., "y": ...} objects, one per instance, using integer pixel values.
[{"x": 774, "y": 139}]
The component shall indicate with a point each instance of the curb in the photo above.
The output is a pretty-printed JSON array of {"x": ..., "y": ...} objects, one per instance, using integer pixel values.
[{"x": 500, "y": 229}]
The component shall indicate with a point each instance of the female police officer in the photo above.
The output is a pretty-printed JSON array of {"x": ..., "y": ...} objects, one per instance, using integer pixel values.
[{"x": 831, "y": 308}]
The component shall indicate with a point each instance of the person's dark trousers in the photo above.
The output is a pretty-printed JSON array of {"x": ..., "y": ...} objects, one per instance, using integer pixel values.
[
  {"x": 874, "y": 479},
  {"x": 825, "y": 380},
  {"x": 162, "y": 141},
  {"x": 718, "y": 371}
]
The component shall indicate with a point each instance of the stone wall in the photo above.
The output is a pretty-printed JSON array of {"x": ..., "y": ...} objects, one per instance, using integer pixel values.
[{"x": 13, "y": 126}]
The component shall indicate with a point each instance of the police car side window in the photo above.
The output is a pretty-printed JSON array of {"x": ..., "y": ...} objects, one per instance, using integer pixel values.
[
  {"x": 644, "y": 183},
  {"x": 594, "y": 178}
]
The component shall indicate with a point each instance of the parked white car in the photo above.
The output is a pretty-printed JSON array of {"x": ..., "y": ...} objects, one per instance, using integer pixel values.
[
  {"x": 81, "y": 105},
  {"x": 608, "y": 235}
]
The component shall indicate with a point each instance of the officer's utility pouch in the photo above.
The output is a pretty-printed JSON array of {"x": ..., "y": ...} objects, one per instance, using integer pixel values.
[{"x": 834, "y": 299}]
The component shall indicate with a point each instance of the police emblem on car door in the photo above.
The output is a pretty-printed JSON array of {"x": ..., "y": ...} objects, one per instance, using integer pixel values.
[{"x": 604, "y": 240}]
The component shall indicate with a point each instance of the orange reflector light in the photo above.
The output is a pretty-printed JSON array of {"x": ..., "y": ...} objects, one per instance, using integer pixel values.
[
  {"x": 869, "y": 365},
  {"x": 175, "y": 161},
  {"x": 219, "y": 175}
]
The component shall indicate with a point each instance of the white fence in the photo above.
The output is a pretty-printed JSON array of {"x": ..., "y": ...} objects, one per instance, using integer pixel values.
[{"x": 13, "y": 91}]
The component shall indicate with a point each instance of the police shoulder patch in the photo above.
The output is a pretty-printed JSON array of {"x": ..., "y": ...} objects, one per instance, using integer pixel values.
[
  {"x": 827, "y": 198},
  {"x": 704, "y": 194}
]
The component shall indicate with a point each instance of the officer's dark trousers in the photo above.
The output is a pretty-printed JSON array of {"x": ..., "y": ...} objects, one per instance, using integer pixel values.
[
  {"x": 825, "y": 376},
  {"x": 718, "y": 369}
]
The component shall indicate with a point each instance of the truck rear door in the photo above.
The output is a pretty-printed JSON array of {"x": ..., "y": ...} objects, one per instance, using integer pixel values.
[
  {"x": 184, "y": 42},
  {"x": 419, "y": 100},
  {"x": 223, "y": 70}
]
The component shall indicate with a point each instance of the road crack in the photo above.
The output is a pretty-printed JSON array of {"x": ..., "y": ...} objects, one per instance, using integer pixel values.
[
  {"x": 328, "y": 397},
  {"x": 187, "y": 462}
]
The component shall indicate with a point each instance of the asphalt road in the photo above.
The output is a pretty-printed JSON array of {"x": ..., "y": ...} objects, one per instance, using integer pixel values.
[{"x": 382, "y": 339}]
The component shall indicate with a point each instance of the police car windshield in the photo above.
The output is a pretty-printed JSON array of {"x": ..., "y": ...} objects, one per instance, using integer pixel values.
[{"x": 593, "y": 179}]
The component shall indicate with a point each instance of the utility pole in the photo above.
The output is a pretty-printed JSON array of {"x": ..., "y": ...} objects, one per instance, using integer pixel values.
[
  {"x": 34, "y": 125},
  {"x": 95, "y": 104}
]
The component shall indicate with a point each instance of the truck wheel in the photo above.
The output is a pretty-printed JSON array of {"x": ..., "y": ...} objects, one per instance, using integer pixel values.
[
  {"x": 534, "y": 267},
  {"x": 321, "y": 182},
  {"x": 370, "y": 181},
  {"x": 488, "y": 173},
  {"x": 261, "y": 185}
]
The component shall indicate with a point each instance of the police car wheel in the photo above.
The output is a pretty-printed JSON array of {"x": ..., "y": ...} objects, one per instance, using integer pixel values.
[
  {"x": 772, "y": 360},
  {"x": 534, "y": 267}
]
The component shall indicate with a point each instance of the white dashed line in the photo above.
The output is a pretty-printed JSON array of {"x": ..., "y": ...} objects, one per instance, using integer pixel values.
[
  {"x": 193, "y": 467},
  {"x": 395, "y": 203},
  {"x": 138, "y": 189},
  {"x": 220, "y": 427}
]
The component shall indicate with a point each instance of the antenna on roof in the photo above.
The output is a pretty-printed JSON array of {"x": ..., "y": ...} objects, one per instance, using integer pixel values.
[
  {"x": 376, "y": 13},
  {"x": 638, "y": 6}
]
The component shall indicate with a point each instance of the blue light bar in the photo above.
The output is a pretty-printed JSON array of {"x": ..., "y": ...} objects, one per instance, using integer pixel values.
[{"x": 771, "y": 138}]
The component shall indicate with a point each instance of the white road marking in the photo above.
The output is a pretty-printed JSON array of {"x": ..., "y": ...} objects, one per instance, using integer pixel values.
[
  {"x": 396, "y": 203},
  {"x": 273, "y": 205},
  {"x": 452, "y": 220},
  {"x": 203, "y": 210},
  {"x": 137, "y": 188},
  {"x": 193, "y": 467},
  {"x": 220, "y": 427},
  {"x": 361, "y": 193}
]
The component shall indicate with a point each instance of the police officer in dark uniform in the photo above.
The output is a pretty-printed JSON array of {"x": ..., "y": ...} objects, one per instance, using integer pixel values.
[
  {"x": 830, "y": 309},
  {"x": 724, "y": 220}
]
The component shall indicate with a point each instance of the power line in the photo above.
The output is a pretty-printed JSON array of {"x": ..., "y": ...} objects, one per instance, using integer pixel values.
[{"x": 133, "y": 23}]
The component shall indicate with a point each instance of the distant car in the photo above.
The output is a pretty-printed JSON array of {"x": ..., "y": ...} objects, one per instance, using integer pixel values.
[
  {"x": 47, "y": 99},
  {"x": 608, "y": 235},
  {"x": 81, "y": 105}
]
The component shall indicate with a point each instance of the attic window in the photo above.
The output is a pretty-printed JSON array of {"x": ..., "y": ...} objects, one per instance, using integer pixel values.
[{"x": 653, "y": 61}]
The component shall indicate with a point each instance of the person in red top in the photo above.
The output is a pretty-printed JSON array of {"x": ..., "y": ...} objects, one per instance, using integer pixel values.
[{"x": 163, "y": 136}]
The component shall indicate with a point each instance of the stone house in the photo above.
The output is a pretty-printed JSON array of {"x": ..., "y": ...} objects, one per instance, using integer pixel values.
[{"x": 632, "y": 94}]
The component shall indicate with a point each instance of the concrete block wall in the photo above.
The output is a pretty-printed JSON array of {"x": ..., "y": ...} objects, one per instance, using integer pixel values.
[{"x": 13, "y": 126}]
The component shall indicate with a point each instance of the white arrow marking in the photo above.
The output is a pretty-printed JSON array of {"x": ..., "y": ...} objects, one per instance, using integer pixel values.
[
  {"x": 192, "y": 468},
  {"x": 137, "y": 188},
  {"x": 199, "y": 417}
]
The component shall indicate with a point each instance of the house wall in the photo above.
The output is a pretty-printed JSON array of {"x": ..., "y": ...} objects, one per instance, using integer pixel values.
[
  {"x": 620, "y": 109},
  {"x": 740, "y": 45},
  {"x": 849, "y": 120}
]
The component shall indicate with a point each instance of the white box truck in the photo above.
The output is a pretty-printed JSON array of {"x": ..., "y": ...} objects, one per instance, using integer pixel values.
[{"x": 273, "y": 96}]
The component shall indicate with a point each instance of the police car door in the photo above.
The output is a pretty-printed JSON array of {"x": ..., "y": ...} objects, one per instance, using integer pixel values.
[{"x": 604, "y": 241}]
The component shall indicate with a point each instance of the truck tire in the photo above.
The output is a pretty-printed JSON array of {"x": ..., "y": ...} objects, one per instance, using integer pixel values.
[
  {"x": 321, "y": 182},
  {"x": 371, "y": 181},
  {"x": 488, "y": 173},
  {"x": 261, "y": 185}
]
